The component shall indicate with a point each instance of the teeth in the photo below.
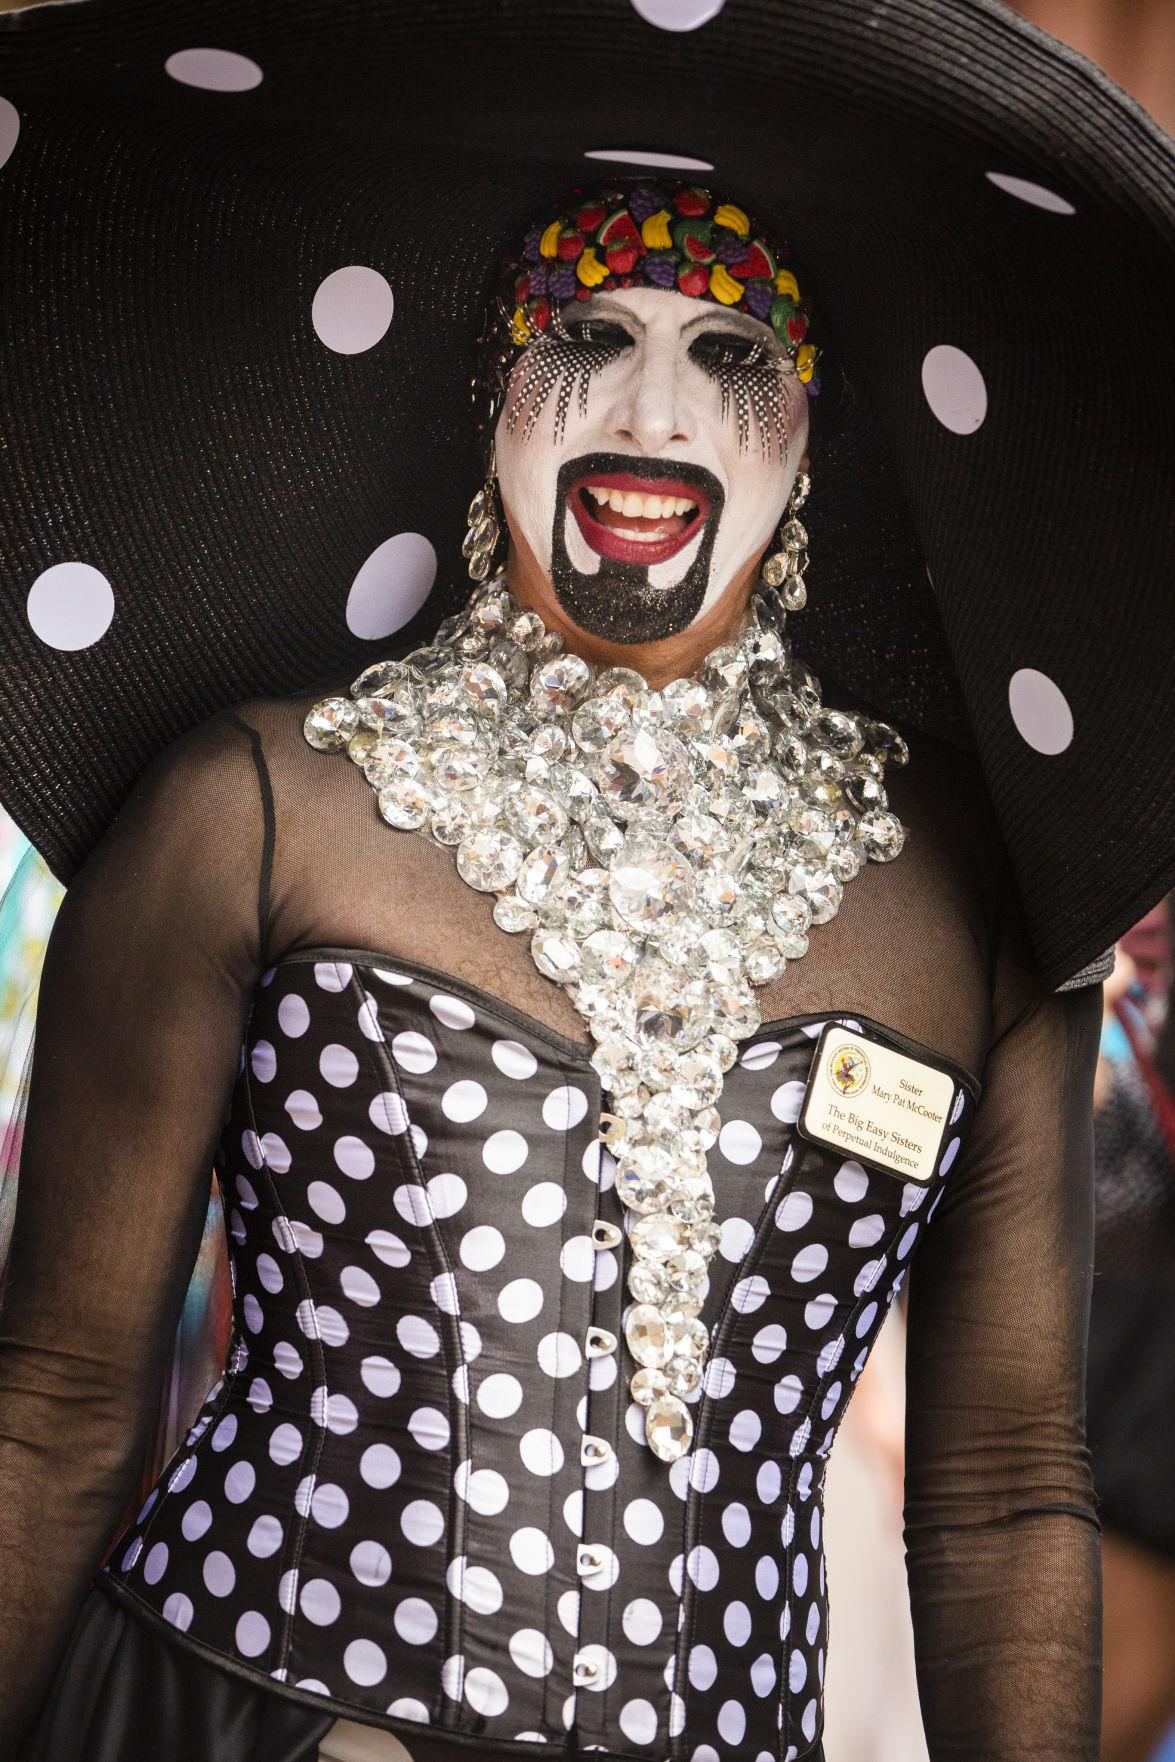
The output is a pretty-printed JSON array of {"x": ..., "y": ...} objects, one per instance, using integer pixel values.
[{"x": 633, "y": 503}]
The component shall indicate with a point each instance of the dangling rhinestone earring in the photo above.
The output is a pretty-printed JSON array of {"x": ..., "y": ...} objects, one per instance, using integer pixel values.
[
  {"x": 784, "y": 568},
  {"x": 481, "y": 541}
]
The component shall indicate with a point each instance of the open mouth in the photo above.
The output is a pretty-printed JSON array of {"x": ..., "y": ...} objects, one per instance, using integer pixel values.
[{"x": 637, "y": 519}]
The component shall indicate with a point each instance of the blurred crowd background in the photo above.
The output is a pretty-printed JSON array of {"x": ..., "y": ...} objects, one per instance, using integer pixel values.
[{"x": 872, "y": 1695}]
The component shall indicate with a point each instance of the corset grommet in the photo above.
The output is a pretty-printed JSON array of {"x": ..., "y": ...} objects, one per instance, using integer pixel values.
[
  {"x": 606, "y": 1235},
  {"x": 593, "y": 1451},
  {"x": 588, "y": 1560},
  {"x": 584, "y": 1671},
  {"x": 599, "y": 1343}
]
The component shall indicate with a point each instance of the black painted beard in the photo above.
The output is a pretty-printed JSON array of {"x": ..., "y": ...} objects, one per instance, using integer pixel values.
[{"x": 618, "y": 601}]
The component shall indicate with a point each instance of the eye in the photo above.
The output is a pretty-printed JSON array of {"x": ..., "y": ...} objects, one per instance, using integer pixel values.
[
  {"x": 602, "y": 332},
  {"x": 727, "y": 348}
]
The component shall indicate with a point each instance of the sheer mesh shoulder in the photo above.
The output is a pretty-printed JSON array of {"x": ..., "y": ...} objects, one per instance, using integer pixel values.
[
  {"x": 241, "y": 846},
  {"x": 146, "y": 981}
]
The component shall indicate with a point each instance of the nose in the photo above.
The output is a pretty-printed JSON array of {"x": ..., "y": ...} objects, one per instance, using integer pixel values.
[{"x": 649, "y": 412}]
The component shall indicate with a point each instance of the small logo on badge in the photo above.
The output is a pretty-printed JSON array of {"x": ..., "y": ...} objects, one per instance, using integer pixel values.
[{"x": 848, "y": 1069}]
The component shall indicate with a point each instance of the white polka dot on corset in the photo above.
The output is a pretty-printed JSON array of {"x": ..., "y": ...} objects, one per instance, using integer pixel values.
[
  {"x": 485, "y": 1691},
  {"x": 531, "y": 1551},
  {"x": 338, "y": 1065},
  {"x": 354, "y": 1158},
  {"x": 809, "y": 1263},
  {"x": 513, "y": 1059},
  {"x": 446, "y": 1194},
  {"x": 422, "y": 1522},
  {"x": 702, "y": 1667},
  {"x": 559, "y": 1354},
  {"x": 359, "y": 1287},
  {"x": 197, "y": 1520},
  {"x": 303, "y": 1110},
  {"x": 504, "y": 1152},
  {"x": 430, "y": 1428},
  {"x": 544, "y": 1204},
  {"x": 371, "y": 1563},
  {"x": 787, "y": 1101},
  {"x": 482, "y": 1247},
  {"x": 475, "y": 1586},
  {"x": 541, "y": 1451},
  {"x": 531, "y": 1652},
  {"x": 464, "y": 1101},
  {"x": 388, "y": 1113},
  {"x": 239, "y": 1482},
  {"x": 380, "y": 1376},
  {"x": 388, "y": 1247},
  {"x": 750, "y": 1294},
  {"x": 365, "y": 1663},
  {"x": 252, "y": 1633},
  {"x": 265, "y": 1537},
  {"x": 418, "y": 1336},
  {"x": 214, "y": 70},
  {"x": 520, "y": 1300},
  {"x": 499, "y": 1395},
  {"x": 263, "y": 1061},
  {"x": 766, "y": 1577},
  {"x": 564, "y": 1108},
  {"x": 219, "y": 1573},
  {"x": 320, "y": 1602},
  {"x": 415, "y": 1621},
  {"x": 293, "y": 1015},
  {"x": 326, "y": 1202}
]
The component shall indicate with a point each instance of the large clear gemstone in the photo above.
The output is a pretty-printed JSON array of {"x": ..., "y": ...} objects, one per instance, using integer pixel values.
[
  {"x": 458, "y": 768},
  {"x": 817, "y": 885},
  {"x": 543, "y": 872},
  {"x": 331, "y": 723},
  {"x": 489, "y": 860},
  {"x": 389, "y": 758},
  {"x": 882, "y": 835},
  {"x": 649, "y": 882},
  {"x": 671, "y": 1009},
  {"x": 394, "y": 714},
  {"x": 700, "y": 837},
  {"x": 609, "y": 954},
  {"x": 688, "y": 706},
  {"x": 669, "y": 1429},
  {"x": 645, "y": 1176},
  {"x": 683, "y": 1375},
  {"x": 380, "y": 678},
  {"x": 584, "y": 902},
  {"x": 647, "y": 1384},
  {"x": 603, "y": 835},
  {"x": 559, "y": 685},
  {"x": 405, "y": 803},
  {"x": 555, "y": 955},
  {"x": 513, "y": 914},
  {"x": 643, "y": 768},
  {"x": 452, "y": 821},
  {"x": 533, "y": 813},
  {"x": 597, "y": 723},
  {"x": 656, "y": 1237},
  {"x": 484, "y": 688},
  {"x": 647, "y": 1282},
  {"x": 648, "y": 1336}
]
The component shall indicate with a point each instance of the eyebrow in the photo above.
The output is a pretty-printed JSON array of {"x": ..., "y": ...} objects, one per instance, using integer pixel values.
[{"x": 739, "y": 320}]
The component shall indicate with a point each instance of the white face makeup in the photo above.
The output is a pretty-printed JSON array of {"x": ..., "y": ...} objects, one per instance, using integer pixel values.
[{"x": 647, "y": 454}]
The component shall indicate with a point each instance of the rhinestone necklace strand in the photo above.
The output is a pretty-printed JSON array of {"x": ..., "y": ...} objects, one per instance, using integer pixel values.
[{"x": 666, "y": 852}]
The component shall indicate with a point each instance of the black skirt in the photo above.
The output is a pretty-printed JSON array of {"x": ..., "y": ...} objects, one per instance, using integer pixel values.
[{"x": 122, "y": 1693}]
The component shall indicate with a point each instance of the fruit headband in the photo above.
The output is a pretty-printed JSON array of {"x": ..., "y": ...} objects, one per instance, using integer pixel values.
[{"x": 644, "y": 235}]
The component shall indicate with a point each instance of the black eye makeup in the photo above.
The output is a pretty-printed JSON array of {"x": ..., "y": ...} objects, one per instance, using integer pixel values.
[
  {"x": 749, "y": 374},
  {"x": 748, "y": 370},
  {"x": 562, "y": 360}
]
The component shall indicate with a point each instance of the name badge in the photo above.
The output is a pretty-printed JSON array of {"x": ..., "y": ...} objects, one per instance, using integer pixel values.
[{"x": 881, "y": 1106}]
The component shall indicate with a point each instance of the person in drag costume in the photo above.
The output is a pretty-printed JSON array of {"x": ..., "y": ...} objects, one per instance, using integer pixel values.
[{"x": 590, "y": 1012}]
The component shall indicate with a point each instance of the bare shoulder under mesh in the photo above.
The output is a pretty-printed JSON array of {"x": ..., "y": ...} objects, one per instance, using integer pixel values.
[{"x": 911, "y": 945}]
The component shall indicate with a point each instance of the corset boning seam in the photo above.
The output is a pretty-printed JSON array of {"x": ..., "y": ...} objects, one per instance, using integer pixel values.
[
  {"x": 692, "y": 1515},
  {"x": 316, "y": 1435},
  {"x": 864, "y": 1298},
  {"x": 444, "y": 1712}
]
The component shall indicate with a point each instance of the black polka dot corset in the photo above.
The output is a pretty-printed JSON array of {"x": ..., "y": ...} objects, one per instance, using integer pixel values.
[{"x": 421, "y": 1494}]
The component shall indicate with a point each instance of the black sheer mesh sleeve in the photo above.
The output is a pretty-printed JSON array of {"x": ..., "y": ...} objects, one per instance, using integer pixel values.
[
  {"x": 1001, "y": 1530},
  {"x": 147, "y": 976}
]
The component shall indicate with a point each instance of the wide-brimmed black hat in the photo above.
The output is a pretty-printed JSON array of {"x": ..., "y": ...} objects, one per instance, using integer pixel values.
[{"x": 245, "y": 249}]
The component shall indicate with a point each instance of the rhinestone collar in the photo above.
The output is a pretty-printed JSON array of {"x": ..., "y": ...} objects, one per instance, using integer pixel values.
[{"x": 666, "y": 852}]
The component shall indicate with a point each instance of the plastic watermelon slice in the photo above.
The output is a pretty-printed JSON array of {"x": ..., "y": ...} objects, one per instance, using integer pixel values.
[
  {"x": 619, "y": 229},
  {"x": 758, "y": 264}
]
